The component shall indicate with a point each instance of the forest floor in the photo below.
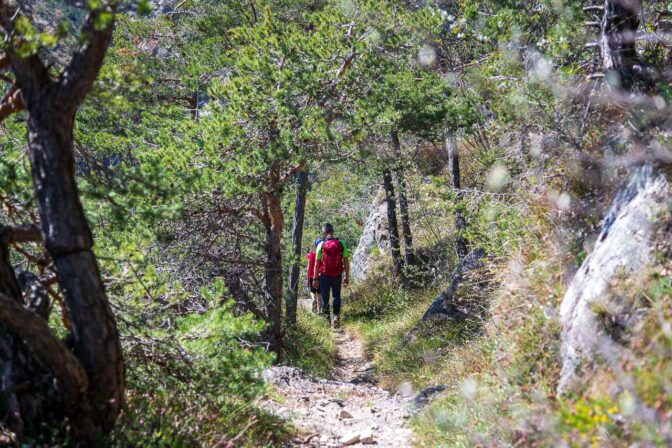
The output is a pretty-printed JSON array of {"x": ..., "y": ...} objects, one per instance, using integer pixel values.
[{"x": 345, "y": 410}]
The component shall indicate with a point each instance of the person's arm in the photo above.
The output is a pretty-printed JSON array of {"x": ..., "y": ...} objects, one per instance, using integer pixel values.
[{"x": 318, "y": 262}]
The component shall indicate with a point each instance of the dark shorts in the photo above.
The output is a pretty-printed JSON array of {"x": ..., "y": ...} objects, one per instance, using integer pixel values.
[{"x": 310, "y": 287}]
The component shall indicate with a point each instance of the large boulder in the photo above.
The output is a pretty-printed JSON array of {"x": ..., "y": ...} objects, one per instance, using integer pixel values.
[
  {"x": 375, "y": 239},
  {"x": 624, "y": 248}
]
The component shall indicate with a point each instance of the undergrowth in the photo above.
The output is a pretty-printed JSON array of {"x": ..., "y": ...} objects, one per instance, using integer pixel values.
[
  {"x": 203, "y": 396},
  {"x": 502, "y": 387}
]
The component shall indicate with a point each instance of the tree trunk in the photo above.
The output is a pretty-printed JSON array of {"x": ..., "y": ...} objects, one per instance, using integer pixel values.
[
  {"x": 40, "y": 379},
  {"x": 10, "y": 404},
  {"x": 297, "y": 236},
  {"x": 69, "y": 241},
  {"x": 87, "y": 378},
  {"x": 403, "y": 204},
  {"x": 392, "y": 225},
  {"x": 618, "y": 29},
  {"x": 273, "y": 224},
  {"x": 461, "y": 245},
  {"x": 8, "y": 284}
]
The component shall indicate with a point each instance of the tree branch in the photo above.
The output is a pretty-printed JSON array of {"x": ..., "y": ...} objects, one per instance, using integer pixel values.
[
  {"x": 31, "y": 74},
  {"x": 77, "y": 79},
  {"x": 47, "y": 347},
  {"x": 11, "y": 103},
  {"x": 27, "y": 233}
]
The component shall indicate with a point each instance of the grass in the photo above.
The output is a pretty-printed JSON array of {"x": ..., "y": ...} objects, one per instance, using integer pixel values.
[
  {"x": 310, "y": 345},
  {"x": 501, "y": 386},
  {"x": 403, "y": 351}
]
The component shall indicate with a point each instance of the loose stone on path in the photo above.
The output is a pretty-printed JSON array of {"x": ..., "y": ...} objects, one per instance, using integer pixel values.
[{"x": 347, "y": 410}]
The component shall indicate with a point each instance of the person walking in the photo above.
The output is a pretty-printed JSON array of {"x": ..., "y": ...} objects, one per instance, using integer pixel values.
[
  {"x": 314, "y": 292},
  {"x": 332, "y": 269}
]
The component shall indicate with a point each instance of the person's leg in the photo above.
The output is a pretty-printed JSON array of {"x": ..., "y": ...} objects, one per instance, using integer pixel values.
[
  {"x": 324, "y": 292},
  {"x": 336, "y": 291},
  {"x": 318, "y": 301},
  {"x": 315, "y": 305}
]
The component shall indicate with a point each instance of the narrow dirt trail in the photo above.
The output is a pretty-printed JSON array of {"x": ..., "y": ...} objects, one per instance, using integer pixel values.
[{"x": 345, "y": 410}]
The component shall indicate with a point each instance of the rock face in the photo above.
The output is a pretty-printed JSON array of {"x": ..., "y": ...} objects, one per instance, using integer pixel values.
[
  {"x": 374, "y": 241},
  {"x": 624, "y": 247}
]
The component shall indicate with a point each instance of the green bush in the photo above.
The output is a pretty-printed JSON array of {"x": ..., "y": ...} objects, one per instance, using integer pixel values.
[{"x": 200, "y": 392}]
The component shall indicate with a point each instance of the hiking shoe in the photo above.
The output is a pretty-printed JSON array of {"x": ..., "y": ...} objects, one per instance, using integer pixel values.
[{"x": 337, "y": 322}]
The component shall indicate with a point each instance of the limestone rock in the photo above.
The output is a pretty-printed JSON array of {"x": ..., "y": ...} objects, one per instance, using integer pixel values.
[
  {"x": 374, "y": 241},
  {"x": 366, "y": 437},
  {"x": 624, "y": 247},
  {"x": 350, "y": 439},
  {"x": 344, "y": 414}
]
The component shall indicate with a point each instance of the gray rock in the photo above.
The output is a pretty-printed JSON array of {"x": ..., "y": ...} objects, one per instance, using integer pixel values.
[
  {"x": 366, "y": 437},
  {"x": 350, "y": 439},
  {"x": 282, "y": 376},
  {"x": 423, "y": 398},
  {"x": 374, "y": 237},
  {"x": 344, "y": 414},
  {"x": 624, "y": 247}
]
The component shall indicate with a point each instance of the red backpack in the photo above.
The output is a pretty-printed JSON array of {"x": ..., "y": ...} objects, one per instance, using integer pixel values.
[{"x": 332, "y": 258}]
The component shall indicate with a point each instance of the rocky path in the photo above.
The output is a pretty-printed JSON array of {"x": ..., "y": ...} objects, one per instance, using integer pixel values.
[{"x": 345, "y": 410}]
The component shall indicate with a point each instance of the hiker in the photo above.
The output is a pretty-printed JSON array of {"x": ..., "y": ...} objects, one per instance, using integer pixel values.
[
  {"x": 314, "y": 292},
  {"x": 332, "y": 265}
]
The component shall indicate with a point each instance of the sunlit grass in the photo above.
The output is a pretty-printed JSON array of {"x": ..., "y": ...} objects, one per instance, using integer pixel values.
[{"x": 310, "y": 345}]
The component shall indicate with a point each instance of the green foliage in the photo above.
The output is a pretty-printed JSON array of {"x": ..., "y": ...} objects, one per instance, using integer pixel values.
[
  {"x": 196, "y": 113},
  {"x": 208, "y": 399},
  {"x": 377, "y": 298},
  {"x": 340, "y": 195}
]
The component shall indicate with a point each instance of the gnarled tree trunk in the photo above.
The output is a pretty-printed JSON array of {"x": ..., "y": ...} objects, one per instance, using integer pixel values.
[
  {"x": 69, "y": 242},
  {"x": 403, "y": 204},
  {"x": 297, "y": 236},
  {"x": 393, "y": 227},
  {"x": 84, "y": 381},
  {"x": 461, "y": 246},
  {"x": 273, "y": 222}
]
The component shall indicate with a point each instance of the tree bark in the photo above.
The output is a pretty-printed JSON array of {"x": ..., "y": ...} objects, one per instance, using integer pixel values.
[
  {"x": 393, "y": 227},
  {"x": 10, "y": 404},
  {"x": 403, "y": 204},
  {"x": 69, "y": 242},
  {"x": 461, "y": 245},
  {"x": 40, "y": 378},
  {"x": 91, "y": 403},
  {"x": 297, "y": 236},
  {"x": 8, "y": 284},
  {"x": 273, "y": 221},
  {"x": 618, "y": 30}
]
